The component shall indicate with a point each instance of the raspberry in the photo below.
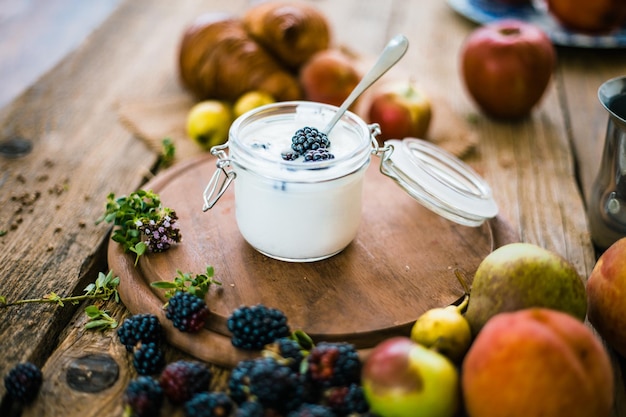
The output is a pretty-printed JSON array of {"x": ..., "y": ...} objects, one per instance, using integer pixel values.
[
  {"x": 312, "y": 410},
  {"x": 209, "y": 404},
  {"x": 333, "y": 364},
  {"x": 182, "y": 379},
  {"x": 308, "y": 138},
  {"x": 23, "y": 382},
  {"x": 187, "y": 312},
  {"x": 143, "y": 397},
  {"x": 144, "y": 328},
  {"x": 148, "y": 359},
  {"x": 320, "y": 154},
  {"x": 256, "y": 326}
]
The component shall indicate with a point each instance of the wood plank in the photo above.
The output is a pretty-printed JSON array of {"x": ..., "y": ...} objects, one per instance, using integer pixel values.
[{"x": 52, "y": 197}]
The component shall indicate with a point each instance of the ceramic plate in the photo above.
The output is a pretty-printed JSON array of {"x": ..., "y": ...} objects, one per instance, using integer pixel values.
[{"x": 481, "y": 11}]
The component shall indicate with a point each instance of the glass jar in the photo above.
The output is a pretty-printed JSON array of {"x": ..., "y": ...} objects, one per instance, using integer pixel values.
[{"x": 300, "y": 211}]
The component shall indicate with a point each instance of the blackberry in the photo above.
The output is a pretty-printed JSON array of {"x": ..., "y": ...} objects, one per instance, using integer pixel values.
[
  {"x": 273, "y": 385},
  {"x": 144, "y": 328},
  {"x": 209, "y": 404},
  {"x": 333, "y": 364},
  {"x": 290, "y": 155},
  {"x": 182, "y": 379},
  {"x": 23, "y": 382},
  {"x": 250, "y": 409},
  {"x": 239, "y": 380},
  {"x": 320, "y": 154},
  {"x": 309, "y": 138},
  {"x": 187, "y": 312},
  {"x": 286, "y": 351},
  {"x": 143, "y": 397},
  {"x": 148, "y": 359},
  {"x": 312, "y": 410},
  {"x": 254, "y": 327},
  {"x": 346, "y": 400}
]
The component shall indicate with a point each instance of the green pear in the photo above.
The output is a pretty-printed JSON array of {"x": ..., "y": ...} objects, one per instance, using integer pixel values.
[{"x": 522, "y": 275}]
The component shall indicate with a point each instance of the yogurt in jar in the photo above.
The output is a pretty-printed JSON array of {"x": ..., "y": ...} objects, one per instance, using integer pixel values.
[{"x": 296, "y": 210}]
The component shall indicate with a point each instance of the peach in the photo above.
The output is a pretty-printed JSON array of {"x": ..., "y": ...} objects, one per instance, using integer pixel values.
[
  {"x": 537, "y": 362},
  {"x": 606, "y": 291},
  {"x": 329, "y": 76}
]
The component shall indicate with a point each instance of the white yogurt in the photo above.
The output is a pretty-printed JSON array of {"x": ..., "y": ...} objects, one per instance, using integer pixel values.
[{"x": 295, "y": 210}]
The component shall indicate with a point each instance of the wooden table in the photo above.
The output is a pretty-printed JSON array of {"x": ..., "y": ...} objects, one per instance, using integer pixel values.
[{"x": 540, "y": 169}]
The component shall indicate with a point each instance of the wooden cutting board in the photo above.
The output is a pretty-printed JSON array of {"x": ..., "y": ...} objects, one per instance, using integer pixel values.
[{"x": 401, "y": 264}]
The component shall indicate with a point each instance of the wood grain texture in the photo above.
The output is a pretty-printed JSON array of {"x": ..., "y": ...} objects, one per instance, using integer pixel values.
[
  {"x": 51, "y": 197},
  {"x": 401, "y": 263}
]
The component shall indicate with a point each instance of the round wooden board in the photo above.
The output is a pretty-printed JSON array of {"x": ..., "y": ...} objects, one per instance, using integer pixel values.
[{"x": 401, "y": 264}]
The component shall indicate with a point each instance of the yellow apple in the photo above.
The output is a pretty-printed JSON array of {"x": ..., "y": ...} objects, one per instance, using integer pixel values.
[
  {"x": 251, "y": 100},
  {"x": 208, "y": 123}
]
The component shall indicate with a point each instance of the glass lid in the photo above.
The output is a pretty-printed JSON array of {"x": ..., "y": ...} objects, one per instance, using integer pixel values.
[{"x": 439, "y": 181}]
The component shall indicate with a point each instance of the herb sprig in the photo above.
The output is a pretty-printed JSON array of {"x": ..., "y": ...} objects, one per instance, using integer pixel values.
[
  {"x": 104, "y": 288},
  {"x": 196, "y": 284},
  {"x": 142, "y": 223}
]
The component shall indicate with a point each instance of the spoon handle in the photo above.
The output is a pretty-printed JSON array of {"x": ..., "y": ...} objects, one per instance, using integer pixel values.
[{"x": 395, "y": 49}]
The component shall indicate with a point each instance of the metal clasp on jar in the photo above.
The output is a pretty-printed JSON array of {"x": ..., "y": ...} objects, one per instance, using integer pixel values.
[
  {"x": 384, "y": 153},
  {"x": 215, "y": 189}
]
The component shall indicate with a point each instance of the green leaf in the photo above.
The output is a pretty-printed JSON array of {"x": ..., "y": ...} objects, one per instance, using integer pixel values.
[
  {"x": 163, "y": 284},
  {"x": 92, "y": 311}
]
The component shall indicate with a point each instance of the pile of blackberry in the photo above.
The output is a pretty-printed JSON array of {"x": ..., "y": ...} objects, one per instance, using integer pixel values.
[
  {"x": 298, "y": 391},
  {"x": 311, "y": 144},
  {"x": 291, "y": 377}
]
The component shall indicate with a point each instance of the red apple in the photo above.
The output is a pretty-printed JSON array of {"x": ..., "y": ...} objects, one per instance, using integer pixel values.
[
  {"x": 401, "y": 110},
  {"x": 401, "y": 378},
  {"x": 606, "y": 291},
  {"x": 329, "y": 76},
  {"x": 589, "y": 16},
  {"x": 506, "y": 67}
]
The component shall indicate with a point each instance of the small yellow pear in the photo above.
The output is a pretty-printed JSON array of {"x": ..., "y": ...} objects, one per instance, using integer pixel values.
[{"x": 444, "y": 330}]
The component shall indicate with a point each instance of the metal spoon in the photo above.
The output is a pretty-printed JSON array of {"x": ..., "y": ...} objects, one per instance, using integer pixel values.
[{"x": 392, "y": 53}]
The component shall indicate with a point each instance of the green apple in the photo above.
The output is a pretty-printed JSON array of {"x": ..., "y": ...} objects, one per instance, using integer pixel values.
[
  {"x": 251, "y": 100},
  {"x": 208, "y": 123},
  {"x": 401, "y": 378},
  {"x": 444, "y": 330}
]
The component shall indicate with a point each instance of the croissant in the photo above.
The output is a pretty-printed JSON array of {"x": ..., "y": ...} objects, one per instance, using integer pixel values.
[
  {"x": 293, "y": 32},
  {"x": 218, "y": 59}
]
